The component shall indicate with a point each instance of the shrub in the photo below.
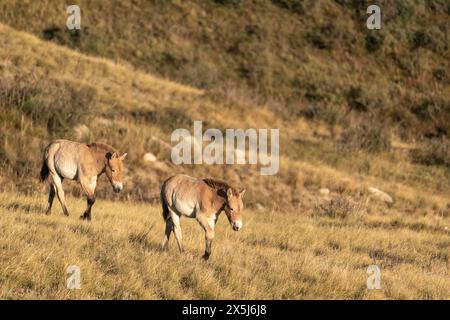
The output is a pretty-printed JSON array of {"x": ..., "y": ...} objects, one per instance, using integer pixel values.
[
  {"x": 440, "y": 74},
  {"x": 296, "y": 6},
  {"x": 374, "y": 41},
  {"x": 58, "y": 105},
  {"x": 373, "y": 138},
  {"x": 420, "y": 39},
  {"x": 432, "y": 152},
  {"x": 433, "y": 38},
  {"x": 228, "y": 2},
  {"x": 337, "y": 207},
  {"x": 323, "y": 37},
  {"x": 355, "y": 99}
]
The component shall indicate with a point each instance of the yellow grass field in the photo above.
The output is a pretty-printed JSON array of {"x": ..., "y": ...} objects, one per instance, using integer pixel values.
[{"x": 275, "y": 256}]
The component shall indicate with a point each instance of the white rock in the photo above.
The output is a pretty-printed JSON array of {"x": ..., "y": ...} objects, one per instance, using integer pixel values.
[
  {"x": 259, "y": 206},
  {"x": 81, "y": 131},
  {"x": 380, "y": 195},
  {"x": 324, "y": 191},
  {"x": 149, "y": 157}
]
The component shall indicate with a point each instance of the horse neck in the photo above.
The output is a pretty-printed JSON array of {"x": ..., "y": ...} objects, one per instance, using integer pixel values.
[
  {"x": 218, "y": 202},
  {"x": 100, "y": 160}
]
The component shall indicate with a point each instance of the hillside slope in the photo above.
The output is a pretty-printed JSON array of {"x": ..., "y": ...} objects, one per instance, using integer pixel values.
[
  {"x": 50, "y": 92},
  {"x": 300, "y": 58}
]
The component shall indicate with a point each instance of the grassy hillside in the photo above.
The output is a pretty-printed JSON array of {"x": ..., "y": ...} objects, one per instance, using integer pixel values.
[
  {"x": 51, "y": 92},
  {"x": 313, "y": 256},
  {"x": 301, "y": 58}
]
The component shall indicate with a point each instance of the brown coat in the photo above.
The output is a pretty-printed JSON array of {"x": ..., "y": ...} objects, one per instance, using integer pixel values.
[
  {"x": 202, "y": 199},
  {"x": 64, "y": 159}
]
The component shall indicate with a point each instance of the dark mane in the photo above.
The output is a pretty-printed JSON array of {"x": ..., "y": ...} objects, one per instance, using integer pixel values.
[
  {"x": 101, "y": 147},
  {"x": 220, "y": 186}
]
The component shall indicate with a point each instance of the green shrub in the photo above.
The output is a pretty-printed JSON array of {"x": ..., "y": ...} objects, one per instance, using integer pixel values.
[
  {"x": 356, "y": 99},
  {"x": 374, "y": 41},
  {"x": 228, "y": 2},
  {"x": 55, "y": 104},
  {"x": 295, "y": 6},
  {"x": 322, "y": 37},
  {"x": 440, "y": 74},
  {"x": 371, "y": 138},
  {"x": 432, "y": 152},
  {"x": 337, "y": 207}
]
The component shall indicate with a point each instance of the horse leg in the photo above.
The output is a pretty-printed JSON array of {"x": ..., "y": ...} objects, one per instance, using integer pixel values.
[
  {"x": 51, "y": 196},
  {"x": 57, "y": 183},
  {"x": 208, "y": 225},
  {"x": 87, "y": 213},
  {"x": 89, "y": 189},
  {"x": 177, "y": 229},
  {"x": 168, "y": 231}
]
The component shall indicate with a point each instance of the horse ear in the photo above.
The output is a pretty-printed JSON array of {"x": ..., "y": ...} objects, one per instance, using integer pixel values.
[
  {"x": 122, "y": 157},
  {"x": 229, "y": 192},
  {"x": 242, "y": 192}
]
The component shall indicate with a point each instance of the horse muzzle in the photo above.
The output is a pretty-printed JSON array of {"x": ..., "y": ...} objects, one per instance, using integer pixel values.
[
  {"x": 117, "y": 186},
  {"x": 237, "y": 225}
]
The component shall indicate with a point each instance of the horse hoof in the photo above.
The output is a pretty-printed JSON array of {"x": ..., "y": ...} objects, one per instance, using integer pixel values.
[{"x": 205, "y": 257}]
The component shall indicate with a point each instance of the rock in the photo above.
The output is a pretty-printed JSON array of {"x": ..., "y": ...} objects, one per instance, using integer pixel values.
[
  {"x": 380, "y": 195},
  {"x": 259, "y": 206},
  {"x": 81, "y": 131},
  {"x": 149, "y": 157},
  {"x": 324, "y": 191}
]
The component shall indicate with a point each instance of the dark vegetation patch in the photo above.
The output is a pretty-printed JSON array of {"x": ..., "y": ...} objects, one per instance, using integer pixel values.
[
  {"x": 57, "y": 105},
  {"x": 337, "y": 207},
  {"x": 371, "y": 138},
  {"x": 388, "y": 259},
  {"x": 433, "y": 152}
]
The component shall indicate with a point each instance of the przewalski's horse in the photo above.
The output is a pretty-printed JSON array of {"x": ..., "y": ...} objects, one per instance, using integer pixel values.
[
  {"x": 204, "y": 200},
  {"x": 84, "y": 163}
]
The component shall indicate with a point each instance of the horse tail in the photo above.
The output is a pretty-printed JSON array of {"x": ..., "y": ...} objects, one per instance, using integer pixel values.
[
  {"x": 44, "y": 171},
  {"x": 165, "y": 208}
]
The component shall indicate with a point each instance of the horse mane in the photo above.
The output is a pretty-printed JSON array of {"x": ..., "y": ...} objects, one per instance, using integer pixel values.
[
  {"x": 97, "y": 146},
  {"x": 220, "y": 186}
]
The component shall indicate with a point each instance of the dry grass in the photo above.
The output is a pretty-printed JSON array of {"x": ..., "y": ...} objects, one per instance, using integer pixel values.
[{"x": 277, "y": 255}]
